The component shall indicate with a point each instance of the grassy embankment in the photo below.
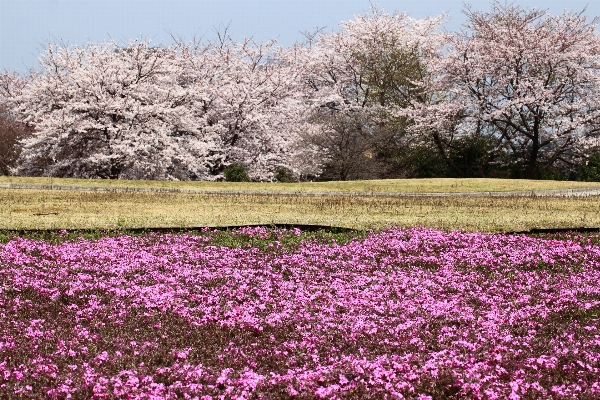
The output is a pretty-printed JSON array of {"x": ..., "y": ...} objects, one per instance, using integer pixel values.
[{"x": 56, "y": 209}]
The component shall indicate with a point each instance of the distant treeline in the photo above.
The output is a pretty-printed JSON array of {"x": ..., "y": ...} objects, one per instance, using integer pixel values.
[{"x": 515, "y": 94}]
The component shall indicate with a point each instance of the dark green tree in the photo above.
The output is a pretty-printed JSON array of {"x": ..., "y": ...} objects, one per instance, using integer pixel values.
[{"x": 236, "y": 173}]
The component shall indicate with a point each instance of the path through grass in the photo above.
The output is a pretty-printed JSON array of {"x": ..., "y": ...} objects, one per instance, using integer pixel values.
[{"x": 434, "y": 185}]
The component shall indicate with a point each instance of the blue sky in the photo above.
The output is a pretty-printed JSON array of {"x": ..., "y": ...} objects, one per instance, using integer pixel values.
[{"x": 26, "y": 25}]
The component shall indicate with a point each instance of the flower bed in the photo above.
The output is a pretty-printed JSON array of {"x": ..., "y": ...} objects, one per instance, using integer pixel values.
[{"x": 401, "y": 313}]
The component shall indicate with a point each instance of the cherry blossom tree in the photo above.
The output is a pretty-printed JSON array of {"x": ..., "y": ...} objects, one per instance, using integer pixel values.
[
  {"x": 181, "y": 112},
  {"x": 370, "y": 68},
  {"x": 12, "y": 132},
  {"x": 248, "y": 92},
  {"x": 102, "y": 111},
  {"x": 527, "y": 80}
]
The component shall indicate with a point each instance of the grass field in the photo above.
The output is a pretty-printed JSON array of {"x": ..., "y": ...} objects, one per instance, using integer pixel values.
[{"x": 63, "y": 209}]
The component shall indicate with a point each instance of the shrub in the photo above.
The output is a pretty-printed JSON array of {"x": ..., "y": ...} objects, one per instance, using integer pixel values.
[
  {"x": 590, "y": 171},
  {"x": 284, "y": 175},
  {"x": 552, "y": 174},
  {"x": 236, "y": 173}
]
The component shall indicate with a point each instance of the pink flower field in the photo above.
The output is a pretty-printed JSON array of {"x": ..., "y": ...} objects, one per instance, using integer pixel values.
[{"x": 403, "y": 313}]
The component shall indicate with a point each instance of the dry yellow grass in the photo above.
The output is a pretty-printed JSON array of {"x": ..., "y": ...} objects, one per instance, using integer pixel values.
[
  {"x": 435, "y": 185},
  {"x": 42, "y": 209}
]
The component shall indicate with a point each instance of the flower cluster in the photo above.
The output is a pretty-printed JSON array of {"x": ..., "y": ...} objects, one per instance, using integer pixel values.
[{"x": 414, "y": 313}]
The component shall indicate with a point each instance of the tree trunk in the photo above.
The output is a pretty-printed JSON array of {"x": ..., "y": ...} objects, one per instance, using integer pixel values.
[
  {"x": 440, "y": 146},
  {"x": 532, "y": 171}
]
